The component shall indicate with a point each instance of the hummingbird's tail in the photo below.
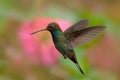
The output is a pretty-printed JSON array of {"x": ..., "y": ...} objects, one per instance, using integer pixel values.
[{"x": 78, "y": 66}]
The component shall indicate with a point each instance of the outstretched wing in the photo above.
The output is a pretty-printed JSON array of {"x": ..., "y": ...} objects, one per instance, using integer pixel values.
[
  {"x": 84, "y": 36},
  {"x": 82, "y": 24}
]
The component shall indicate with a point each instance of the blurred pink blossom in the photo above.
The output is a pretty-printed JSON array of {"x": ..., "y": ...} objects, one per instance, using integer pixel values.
[{"x": 39, "y": 48}]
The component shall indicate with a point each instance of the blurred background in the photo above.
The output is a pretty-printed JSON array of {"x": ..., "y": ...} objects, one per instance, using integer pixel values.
[{"x": 26, "y": 57}]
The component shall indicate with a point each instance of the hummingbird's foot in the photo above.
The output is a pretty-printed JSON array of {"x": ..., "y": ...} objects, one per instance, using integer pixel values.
[{"x": 65, "y": 56}]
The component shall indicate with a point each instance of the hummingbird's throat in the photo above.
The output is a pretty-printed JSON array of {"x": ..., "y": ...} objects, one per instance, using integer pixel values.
[{"x": 55, "y": 35}]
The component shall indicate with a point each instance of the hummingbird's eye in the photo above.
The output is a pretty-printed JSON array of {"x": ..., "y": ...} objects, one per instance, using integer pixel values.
[{"x": 50, "y": 27}]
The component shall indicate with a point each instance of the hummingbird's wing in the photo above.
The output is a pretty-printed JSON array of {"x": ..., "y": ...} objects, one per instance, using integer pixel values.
[
  {"x": 82, "y": 24},
  {"x": 86, "y": 35},
  {"x": 81, "y": 37}
]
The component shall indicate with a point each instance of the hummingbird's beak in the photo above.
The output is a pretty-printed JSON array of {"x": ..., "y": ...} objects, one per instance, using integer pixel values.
[{"x": 38, "y": 31}]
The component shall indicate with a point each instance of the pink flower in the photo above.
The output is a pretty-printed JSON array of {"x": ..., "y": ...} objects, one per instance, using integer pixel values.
[{"x": 39, "y": 48}]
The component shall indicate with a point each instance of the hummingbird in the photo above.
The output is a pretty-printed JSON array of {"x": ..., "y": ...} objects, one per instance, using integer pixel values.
[{"x": 77, "y": 34}]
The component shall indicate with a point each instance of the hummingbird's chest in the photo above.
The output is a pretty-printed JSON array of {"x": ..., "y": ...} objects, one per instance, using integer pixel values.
[
  {"x": 60, "y": 43},
  {"x": 62, "y": 47}
]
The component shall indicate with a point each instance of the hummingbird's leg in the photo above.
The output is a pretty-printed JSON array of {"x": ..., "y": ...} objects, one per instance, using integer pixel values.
[{"x": 65, "y": 56}]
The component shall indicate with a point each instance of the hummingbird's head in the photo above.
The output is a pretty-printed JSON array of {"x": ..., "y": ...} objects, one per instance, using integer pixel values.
[{"x": 51, "y": 27}]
